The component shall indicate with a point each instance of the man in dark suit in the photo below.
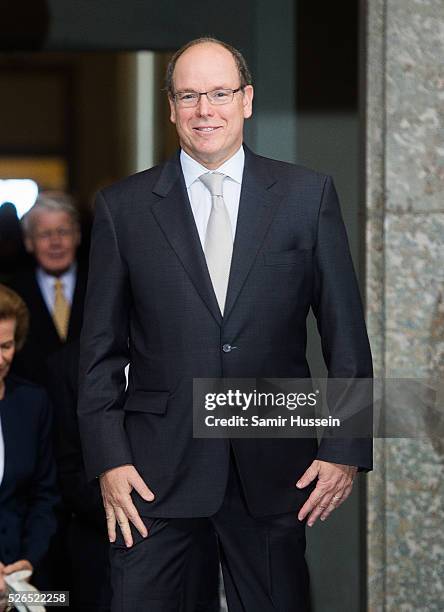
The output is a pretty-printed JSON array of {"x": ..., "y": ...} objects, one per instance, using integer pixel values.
[
  {"x": 206, "y": 267},
  {"x": 54, "y": 290}
]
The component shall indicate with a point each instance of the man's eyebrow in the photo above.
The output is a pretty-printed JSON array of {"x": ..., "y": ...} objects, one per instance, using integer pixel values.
[{"x": 214, "y": 88}]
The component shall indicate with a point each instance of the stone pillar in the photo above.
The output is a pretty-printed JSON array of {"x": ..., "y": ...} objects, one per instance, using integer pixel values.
[{"x": 405, "y": 291}]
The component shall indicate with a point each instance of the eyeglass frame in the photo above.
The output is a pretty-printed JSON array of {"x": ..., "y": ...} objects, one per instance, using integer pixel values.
[{"x": 205, "y": 93}]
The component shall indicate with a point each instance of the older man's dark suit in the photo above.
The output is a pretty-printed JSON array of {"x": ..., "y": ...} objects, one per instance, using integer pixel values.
[
  {"x": 150, "y": 302},
  {"x": 43, "y": 339}
]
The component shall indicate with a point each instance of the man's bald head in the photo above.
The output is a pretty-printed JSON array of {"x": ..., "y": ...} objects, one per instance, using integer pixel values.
[{"x": 241, "y": 64}]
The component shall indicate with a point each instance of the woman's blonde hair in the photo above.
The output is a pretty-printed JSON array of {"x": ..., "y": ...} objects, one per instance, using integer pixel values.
[{"x": 13, "y": 307}]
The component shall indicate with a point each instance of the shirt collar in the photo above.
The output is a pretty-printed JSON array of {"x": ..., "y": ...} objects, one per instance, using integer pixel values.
[
  {"x": 68, "y": 278},
  {"x": 233, "y": 167}
]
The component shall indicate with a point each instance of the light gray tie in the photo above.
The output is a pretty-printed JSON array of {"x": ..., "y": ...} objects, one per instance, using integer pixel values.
[{"x": 219, "y": 237}]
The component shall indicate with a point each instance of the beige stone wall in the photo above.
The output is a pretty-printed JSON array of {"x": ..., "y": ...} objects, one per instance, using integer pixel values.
[{"x": 405, "y": 287}]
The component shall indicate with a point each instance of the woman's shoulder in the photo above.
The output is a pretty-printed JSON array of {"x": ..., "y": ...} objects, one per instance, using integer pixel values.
[
  {"x": 19, "y": 391},
  {"x": 15, "y": 382}
]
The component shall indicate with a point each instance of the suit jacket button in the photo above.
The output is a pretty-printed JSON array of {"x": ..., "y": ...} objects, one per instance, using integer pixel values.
[{"x": 226, "y": 348}]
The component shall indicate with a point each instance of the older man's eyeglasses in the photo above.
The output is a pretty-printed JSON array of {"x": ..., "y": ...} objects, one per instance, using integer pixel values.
[
  {"x": 217, "y": 97},
  {"x": 60, "y": 232}
]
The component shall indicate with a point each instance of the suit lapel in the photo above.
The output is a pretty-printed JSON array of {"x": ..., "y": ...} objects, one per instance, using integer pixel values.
[
  {"x": 257, "y": 207},
  {"x": 175, "y": 217}
]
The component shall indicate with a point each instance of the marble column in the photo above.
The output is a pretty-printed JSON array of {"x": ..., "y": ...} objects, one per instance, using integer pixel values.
[{"x": 405, "y": 292}]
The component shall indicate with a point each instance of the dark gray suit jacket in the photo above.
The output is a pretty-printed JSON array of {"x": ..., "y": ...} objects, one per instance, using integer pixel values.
[
  {"x": 150, "y": 302},
  {"x": 42, "y": 339}
]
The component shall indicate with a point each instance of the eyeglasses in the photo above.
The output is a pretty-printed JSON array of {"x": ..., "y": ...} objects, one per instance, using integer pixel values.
[
  {"x": 61, "y": 232},
  {"x": 217, "y": 97}
]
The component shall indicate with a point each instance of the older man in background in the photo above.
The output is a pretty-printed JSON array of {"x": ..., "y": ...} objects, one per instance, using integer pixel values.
[{"x": 54, "y": 289}]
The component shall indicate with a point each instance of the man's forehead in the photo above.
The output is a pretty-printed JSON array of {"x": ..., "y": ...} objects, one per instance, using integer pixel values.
[
  {"x": 44, "y": 216},
  {"x": 206, "y": 60}
]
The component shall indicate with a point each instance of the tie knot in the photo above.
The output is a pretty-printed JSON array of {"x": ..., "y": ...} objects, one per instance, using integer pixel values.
[
  {"x": 58, "y": 285},
  {"x": 213, "y": 182}
]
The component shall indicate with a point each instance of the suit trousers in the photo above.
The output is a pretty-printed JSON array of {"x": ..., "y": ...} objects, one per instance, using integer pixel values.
[{"x": 263, "y": 562}]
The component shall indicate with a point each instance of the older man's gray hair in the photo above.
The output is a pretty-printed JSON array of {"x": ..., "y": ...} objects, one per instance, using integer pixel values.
[{"x": 50, "y": 201}]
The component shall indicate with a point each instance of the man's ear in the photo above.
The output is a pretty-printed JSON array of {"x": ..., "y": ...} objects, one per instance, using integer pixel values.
[
  {"x": 248, "y": 94},
  {"x": 172, "y": 110},
  {"x": 29, "y": 245}
]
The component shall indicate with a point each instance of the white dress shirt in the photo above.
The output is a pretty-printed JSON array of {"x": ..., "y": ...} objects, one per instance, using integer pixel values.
[
  {"x": 46, "y": 283},
  {"x": 199, "y": 195}
]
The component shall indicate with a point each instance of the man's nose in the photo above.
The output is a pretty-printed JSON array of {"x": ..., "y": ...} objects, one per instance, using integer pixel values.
[
  {"x": 2, "y": 358},
  {"x": 55, "y": 238},
  {"x": 204, "y": 107}
]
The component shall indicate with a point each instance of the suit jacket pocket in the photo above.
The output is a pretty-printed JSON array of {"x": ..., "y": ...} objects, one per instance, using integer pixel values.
[
  {"x": 285, "y": 258},
  {"x": 152, "y": 402}
]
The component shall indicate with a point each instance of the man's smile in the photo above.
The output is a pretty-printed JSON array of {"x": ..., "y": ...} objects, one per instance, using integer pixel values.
[{"x": 207, "y": 129}]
